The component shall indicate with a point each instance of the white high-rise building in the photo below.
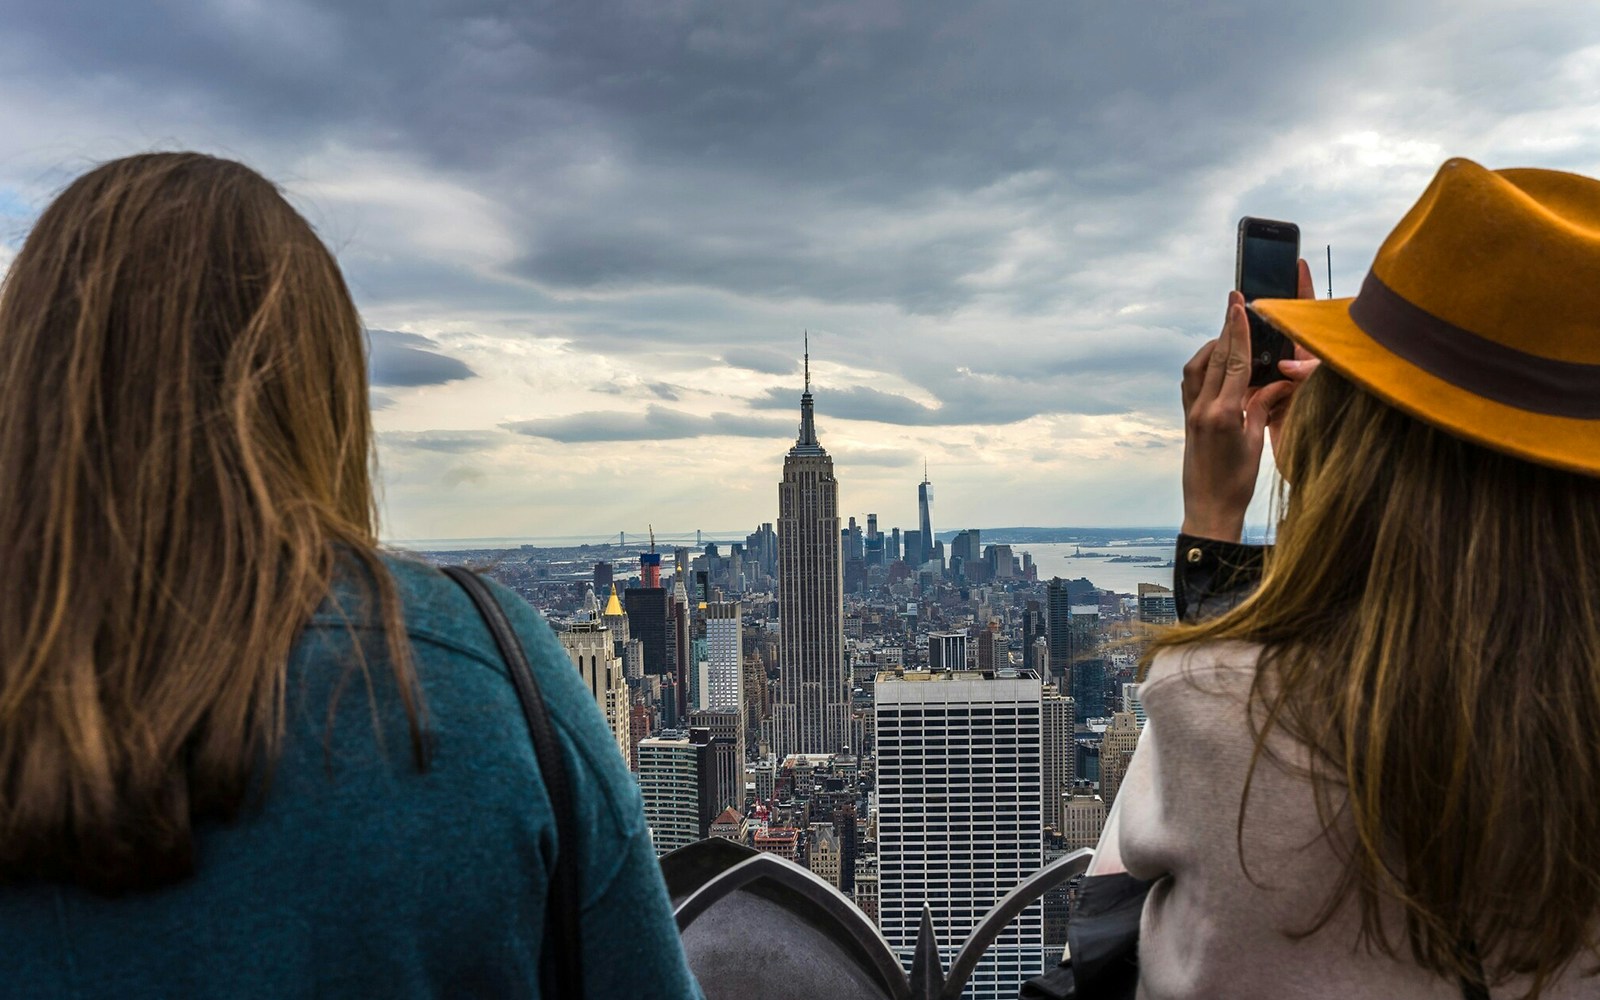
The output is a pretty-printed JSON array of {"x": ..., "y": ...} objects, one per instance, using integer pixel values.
[
  {"x": 724, "y": 686},
  {"x": 960, "y": 792},
  {"x": 670, "y": 772},
  {"x": 1131, "y": 702},
  {"x": 812, "y": 714}
]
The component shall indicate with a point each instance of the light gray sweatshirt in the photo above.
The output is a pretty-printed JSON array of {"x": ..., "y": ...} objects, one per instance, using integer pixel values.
[{"x": 1207, "y": 930}]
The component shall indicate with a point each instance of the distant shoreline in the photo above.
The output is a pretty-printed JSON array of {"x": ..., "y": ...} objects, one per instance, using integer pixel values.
[{"x": 1136, "y": 535}]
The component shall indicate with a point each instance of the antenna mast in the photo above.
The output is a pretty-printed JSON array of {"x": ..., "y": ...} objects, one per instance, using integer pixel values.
[
  {"x": 808, "y": 360},
  {"x": 1330, "y": 270}
]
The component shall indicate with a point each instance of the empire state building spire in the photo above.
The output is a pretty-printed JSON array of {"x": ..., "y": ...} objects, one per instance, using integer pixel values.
[{"x": 806, "y": 441}]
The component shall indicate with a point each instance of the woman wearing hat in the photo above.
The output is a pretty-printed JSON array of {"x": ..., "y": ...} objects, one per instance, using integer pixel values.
[{"x": 1379, "y": 774}]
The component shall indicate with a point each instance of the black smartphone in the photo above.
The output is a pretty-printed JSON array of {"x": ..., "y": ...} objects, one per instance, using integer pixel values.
[{"x": 1267, "y": 268}]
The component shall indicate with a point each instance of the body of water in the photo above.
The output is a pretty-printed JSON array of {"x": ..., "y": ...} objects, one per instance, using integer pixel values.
[
  {"x": 1057, "y": 559},
  {"x": 1052, "y": 558},
  {"x": 467, "y": 544}
]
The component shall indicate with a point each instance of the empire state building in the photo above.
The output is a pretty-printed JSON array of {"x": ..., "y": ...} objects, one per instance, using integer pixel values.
[{"x": 812, "y": 714}]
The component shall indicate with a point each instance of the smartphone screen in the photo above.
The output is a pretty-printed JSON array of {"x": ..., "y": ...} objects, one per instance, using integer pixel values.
[{"x": 1267, "y": 269}]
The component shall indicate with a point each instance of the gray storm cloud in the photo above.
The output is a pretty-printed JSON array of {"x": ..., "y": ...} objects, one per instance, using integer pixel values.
[
  {"x": 657, "y": 423},
  {"x": 442, "y": 442},
  {"x": 407, "y": 359},
  {"x": 761, "y": 360}
]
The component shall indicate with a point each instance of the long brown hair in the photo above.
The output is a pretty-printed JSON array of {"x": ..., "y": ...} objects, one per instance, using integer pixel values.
[
  {"x": 185, "y": 453},
  {"x": 1430, "y": 617}
]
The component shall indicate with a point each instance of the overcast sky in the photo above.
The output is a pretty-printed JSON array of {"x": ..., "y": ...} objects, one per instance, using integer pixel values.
[{"x": 587, "y": 236}]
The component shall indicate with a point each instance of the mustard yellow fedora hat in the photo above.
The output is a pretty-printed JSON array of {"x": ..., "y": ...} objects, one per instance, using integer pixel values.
[{"x": 1480, "y": 315}]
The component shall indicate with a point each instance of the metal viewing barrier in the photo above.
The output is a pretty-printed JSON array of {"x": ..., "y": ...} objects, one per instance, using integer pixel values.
[{"x": 746, "y": 915}]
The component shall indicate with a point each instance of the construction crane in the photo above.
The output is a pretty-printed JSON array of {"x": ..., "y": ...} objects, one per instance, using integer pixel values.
[{"x": 652, "y": 537}]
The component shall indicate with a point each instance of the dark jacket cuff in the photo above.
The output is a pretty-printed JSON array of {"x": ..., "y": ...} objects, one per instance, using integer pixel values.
[{"x": 1211, "y": 577}]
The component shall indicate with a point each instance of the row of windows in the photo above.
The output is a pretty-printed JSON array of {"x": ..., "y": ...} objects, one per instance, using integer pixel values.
[
  {"x": 942, "y": 817},
  {"x": 959, "y": 858},
  {"x": 1012, "y": 798},
  {"x": 949, "y": 913},
  {"x": 978, "y": 861},
  {"x": 893, "y": 727},
  {"x": 959, "y": 922},
  {"x": 938, "y": 737},
  {"x": 965, "y": 809},
  {"x": 981, "y": 721},
  {"x": 932, "y": 776},
  {"x": 1020, "y": 801},
  {"x": 906, "y": 935},
  {"x": 963, "y": 725},
  {"x": 986, "y": 758},
  {"x": 1004, "y": 797},
  {"x": 1018, "y": 774},
  {"x": 962, "y": 745},
  {"x": 907, "y": 919},
  {"x": 962, "y": 773},
  {"x": 916, "y": 884},
  {"x": 984, "y": 894},
  {"x": 1020, "y": 766},
  {"x": 946, "y": 839},
  {"x": 962, "y": 866},
  {"x": 975, "y": 747},
  {"x": 960, "y": 708},
  {"x": 997, "y": 792}
]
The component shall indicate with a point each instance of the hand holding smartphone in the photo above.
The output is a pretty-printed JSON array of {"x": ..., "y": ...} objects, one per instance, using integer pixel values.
[{"x": 1267, "y": 267}]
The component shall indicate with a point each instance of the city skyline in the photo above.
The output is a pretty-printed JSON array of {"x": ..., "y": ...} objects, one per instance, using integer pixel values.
[
  {"x": 587, "y": 244},
  {"x": 962, "y": 760}
]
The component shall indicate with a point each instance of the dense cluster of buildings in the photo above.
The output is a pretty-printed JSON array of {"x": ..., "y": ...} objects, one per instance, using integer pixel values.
[{"x": 914, "y": 722}]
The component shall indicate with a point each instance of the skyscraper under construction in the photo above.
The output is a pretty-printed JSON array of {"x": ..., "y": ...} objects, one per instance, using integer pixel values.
[{"x": 812, "y": 714}]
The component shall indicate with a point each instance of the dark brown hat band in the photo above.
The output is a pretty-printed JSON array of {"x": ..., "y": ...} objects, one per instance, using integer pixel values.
[{"x": 1472, "y": 362}]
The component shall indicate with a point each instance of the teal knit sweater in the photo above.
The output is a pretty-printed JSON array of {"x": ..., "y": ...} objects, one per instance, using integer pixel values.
[{"x": 358, "y": 876}]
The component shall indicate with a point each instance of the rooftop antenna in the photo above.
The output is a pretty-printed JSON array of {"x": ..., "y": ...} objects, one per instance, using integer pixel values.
[
  {"x": 1330, "y": 270},
  {"x": 924, "y": 470},
  {"x": 808, "y": 360}
]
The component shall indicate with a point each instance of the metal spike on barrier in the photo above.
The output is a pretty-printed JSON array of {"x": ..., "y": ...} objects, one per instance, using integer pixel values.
[{"x": 927, "y": 970}]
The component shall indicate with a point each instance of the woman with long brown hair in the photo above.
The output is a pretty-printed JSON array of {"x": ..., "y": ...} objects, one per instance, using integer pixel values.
[
  {"x": 242, "y": 751},
  {"x": 1378, "y": 775}
]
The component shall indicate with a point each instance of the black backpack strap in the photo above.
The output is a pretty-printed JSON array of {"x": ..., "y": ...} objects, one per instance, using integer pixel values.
[{"x": 564, "y": 901}]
